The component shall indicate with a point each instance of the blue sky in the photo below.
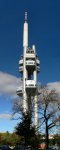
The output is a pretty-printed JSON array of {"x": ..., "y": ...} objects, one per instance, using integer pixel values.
[{"x": 44, "y": 32}]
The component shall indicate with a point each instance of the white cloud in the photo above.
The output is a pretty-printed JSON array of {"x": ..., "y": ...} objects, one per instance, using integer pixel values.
[
  {"x": 8, "y": 84},
  {"x": 54, "y": 85},
  {"x": 5, "y": 116}
]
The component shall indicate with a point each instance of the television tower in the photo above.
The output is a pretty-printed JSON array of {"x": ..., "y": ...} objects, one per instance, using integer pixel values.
[{"x": 29, "y": 67}]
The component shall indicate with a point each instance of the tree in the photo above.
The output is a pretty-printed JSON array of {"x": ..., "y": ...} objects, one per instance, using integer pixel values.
[
  {"x": 48, "y": 111},
  {"x": 0, "y": 138},
  {"x": 56, "y": 139},
  {"x": 25, "y": 128},
  {"x": 17, "y": 108},
  {"x": 10, "y": 139}
]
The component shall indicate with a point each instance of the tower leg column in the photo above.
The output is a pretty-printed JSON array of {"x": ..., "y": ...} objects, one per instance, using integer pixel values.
[
  {"x": 25, "y": 103},
  {"x": 35, "y": 102},
  {"x": 35, "y": 112}
]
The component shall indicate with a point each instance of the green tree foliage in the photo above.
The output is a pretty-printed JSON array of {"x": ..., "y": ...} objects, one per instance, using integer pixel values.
[
  {"x": 9, "y": 139},
  {"x": 56, "y": 139},
  {"x": 25, "y": 128},
  {"x": 0, "y": 138}
]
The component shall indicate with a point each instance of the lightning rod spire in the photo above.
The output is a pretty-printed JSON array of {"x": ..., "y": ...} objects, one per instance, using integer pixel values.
[{"x": 25, "y": 16}]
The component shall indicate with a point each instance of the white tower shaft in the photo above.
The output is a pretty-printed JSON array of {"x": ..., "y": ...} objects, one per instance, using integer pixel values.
[
  {"x": 35, "y": 99},
  {"x": 25, "y": 46}
]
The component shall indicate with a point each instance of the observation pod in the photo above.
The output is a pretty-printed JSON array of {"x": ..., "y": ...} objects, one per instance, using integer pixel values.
[{"x": 29, "y": 67}]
